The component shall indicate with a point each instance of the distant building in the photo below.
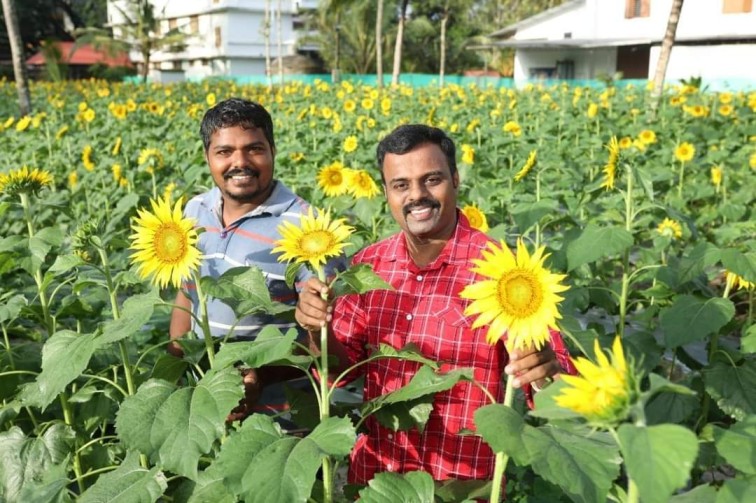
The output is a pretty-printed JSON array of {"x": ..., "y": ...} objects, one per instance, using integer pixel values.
[
  {"x": 587, "y": 39},
  {"x": 77, "y": 59},
  {"x": 226, "y": 36}
]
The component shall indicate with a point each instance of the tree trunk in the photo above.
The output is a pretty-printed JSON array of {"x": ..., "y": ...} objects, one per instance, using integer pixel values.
[
  {"x": 665, "y": 51},
  {"x": 398, "y": 45},
  {"x": 279, "y": 41},
  {"x": 442, "y": 63},
  {"x": 335, "y": 72},
  {"x": 379, "y": 45},
  {"x": 17, "y": 54},
  {"x": 266, "y": 36}
]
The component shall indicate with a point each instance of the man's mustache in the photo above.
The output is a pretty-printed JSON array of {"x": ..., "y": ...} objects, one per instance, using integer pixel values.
[
  {"x": 426, "y": 201},
  {"x": 241, "y": 172}
]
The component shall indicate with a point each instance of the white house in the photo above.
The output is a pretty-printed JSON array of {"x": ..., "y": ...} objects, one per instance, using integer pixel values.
[
  {"x": 227, "y": 37},
  {"x": 586, "y": 39}
]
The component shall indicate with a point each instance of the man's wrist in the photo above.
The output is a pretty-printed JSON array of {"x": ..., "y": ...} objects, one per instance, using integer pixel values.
[{"x": 540, "y": 384}]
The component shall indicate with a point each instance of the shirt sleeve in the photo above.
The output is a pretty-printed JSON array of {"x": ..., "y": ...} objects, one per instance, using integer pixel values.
[{"x": 349, "y": 326}]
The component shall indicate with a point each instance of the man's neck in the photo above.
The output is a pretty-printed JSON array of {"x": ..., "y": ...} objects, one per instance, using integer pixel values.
[
  {"x": 232, "y": 210},
  {"x": 423, "y": 252}
]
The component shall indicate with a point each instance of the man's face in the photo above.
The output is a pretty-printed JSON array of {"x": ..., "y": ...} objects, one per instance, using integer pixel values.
[
  {"x": 241, "y": 163},
  {"x": 421, "y": 192}
]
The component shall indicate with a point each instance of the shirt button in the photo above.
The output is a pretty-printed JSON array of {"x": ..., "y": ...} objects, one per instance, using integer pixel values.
[
  {"x": 419, "y": 277},
  {"x": 389, "y": 467},
  {"x": 390, "y": 436},
  {"x": 409, "y": 317},
  {"x": 223, "y": 235}
]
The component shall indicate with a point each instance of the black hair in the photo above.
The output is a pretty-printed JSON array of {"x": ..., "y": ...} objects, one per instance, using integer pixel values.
[
  {"x": 236, "y": 112},
  {"x": 405, "y": 138}
]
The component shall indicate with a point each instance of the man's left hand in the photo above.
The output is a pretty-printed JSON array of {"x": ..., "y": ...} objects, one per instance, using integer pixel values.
[{"x": 529, "y": 366}]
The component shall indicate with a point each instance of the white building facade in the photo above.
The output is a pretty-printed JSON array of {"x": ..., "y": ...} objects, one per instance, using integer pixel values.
[
  {"x": 226, "y": 37},
  {"x": 588, "y": 39}
]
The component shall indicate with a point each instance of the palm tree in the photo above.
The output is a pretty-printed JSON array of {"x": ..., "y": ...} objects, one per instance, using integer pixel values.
[
  {"x": 139, "y": 32},
  {"x": 17, "y": 54},
  {"x": 379, "y": 44},
  {"x": 666, "y": 50},
  {"x": 442, "y": 62},
  {"x": 398, "y": 45}
]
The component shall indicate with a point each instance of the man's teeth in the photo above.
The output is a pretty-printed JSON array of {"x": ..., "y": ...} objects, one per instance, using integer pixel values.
[{"x": 240, "y": 177}]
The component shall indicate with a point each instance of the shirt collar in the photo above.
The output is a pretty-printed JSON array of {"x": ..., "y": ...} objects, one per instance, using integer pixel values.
[{"x": 452, "y": 253}]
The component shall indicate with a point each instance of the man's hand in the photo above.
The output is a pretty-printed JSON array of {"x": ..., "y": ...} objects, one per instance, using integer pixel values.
[
  {"x": 529, "y": 366},
  {"x": 313, "y": 312}
]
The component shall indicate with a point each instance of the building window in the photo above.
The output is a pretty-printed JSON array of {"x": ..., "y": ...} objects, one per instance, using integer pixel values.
[
  {"x": 736, "y": 6},
  {"x": 637, "y": 8},
  {"x": 194, "y": 25},
  {"x": 176, "y": 65},
  {"x": 218, "y": 39},
  {"x": 172, "y": 24}
]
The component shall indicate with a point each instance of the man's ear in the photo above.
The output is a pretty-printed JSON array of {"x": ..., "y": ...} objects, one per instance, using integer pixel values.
[{"x": 455, "y": 180}]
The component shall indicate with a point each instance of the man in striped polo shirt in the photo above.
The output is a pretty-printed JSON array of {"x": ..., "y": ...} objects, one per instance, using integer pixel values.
[{"x": 240, "y": 217}]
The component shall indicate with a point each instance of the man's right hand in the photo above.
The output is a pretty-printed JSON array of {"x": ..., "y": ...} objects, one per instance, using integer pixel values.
[{"x": 313, "y": 311}]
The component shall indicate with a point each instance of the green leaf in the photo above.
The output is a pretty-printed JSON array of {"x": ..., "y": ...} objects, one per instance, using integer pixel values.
[
  {"x": 135, "y": 313},
  {"x": 406, "y": 415},
  {"x": 744, "y": 265},
  {"x": 546, "y": 406},
  {"x": 25, "y": 461},
  {"x": 129, "y": 483},
  {"x": 64, "y": 263},
  {"x": 65, "y": 356},
  {"x": 411, "y": 487},
  {"x": 51, "y": 488},
  {"x": 646, "y": 181},
  {"x": 658, "y": 458},
  {"x": 595, "y": 243},
  {"x": 358, "y": 279},
  {"x": 51, "y": 235},
  {"x": 748, "y": 341},
  {"x": 699, "y": 494},
  {"x": 39, "y": 248},
  {"x": 410, "y": 352},
  {"x": 11, "y": 308},
  {"x": 503, "y": 429},
  {"x": 702, "y": 256},
  {"x": 241, "y": 285},
  {"x": 292, "y": 269},
  {"x": 270, "y": 345},
  {"x": 733, "y": 386},
  {"x": 528, "y": 214},
  {"x": 137, "y": 412},
  {"x": 737, "y": 491},
  {"x": 691, "y": 319},
  {"x": 426, "y": 381},
  {"x": 738, "y": 444},
  {"x": 206, "y": 490}
]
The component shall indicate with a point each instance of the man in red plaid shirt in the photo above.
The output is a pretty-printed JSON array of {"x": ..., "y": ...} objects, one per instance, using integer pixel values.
[{"x": 428, "y": 264}]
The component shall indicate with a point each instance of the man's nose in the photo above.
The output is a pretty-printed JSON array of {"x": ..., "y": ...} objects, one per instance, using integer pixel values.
[
  {"x": 239, "y": 159},
  {"x": 417, "y": 191}
]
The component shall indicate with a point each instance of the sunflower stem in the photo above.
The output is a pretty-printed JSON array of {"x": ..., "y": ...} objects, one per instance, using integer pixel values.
[
  {"x": 680, "y": 182},
  {"x": 500, "y": 464},
  {"x": 68, "y": 419},
  {"x": 325, "y": 396},
  {"x": 626, "y": 257},
  {"x": 38, "y": 279},
  {"x": 205, "y": 321}
]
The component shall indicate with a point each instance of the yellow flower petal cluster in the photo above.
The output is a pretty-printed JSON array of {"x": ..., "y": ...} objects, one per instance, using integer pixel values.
[
  {"x": 468, "y": 153},
  {"x": 685, "y": 151},
  {"x": 314, "y": 240},
  {"x": 361, "y": 184},
  {"x": 670, "y": 228},
  {"x": 350, "y": 144},
  {"x": 647, "y": 136},
  {"x": 151, "y": 156},
  {"x": 527, "y": 167},
  {"x": 512, "y": 127},
  {"x": 334, "y": 179},
  {"x": 24, "y": 181},
  {"x": 733, "y": 280},
  {"x": 165, "y": 244},
  {"x": 86, "y": 158},
  {"x": 476, "y": 217},
  {"x": 610, "y": 169},
  {"x": 517, "y": 296},
  {"x": 603, "y": 392},
  {"x": 716, "y": 176}
]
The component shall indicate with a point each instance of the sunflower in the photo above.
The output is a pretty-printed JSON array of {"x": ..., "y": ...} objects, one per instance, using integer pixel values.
[
  {"x": 89, "y": 115},
  {"x": 333, "y": 179},
  {"x": 86, "y": 158},
  {"x": 670, "y": 228},
  {"x": 725, "y": 110},
  {"x": 734, "y": 280},
  {"x": 685, "y": 151},
  {"x": 386, "y": 105},
  {"x": 73, "y": 179},
  {"x": 716, "y": 176},
  {"x": 117, "y": 146},
  {"x": 24, "y": 181},
  {"x": 367, "y": 103},
  {"x": 61, "y": 132},
  {"x": 476, "y": 218},
  {"x": 592, "y": 110},
  {"x": 647, "y": 137},
  {"x": 23, "y": 123},
  {"x": 350, "y": 144},
  {"x": 752, "y": 161},
  {"x": 610, "y": 169},
  {"x": 117, "y": 171},
  {"x": 349, "y": 106},
  {"x": 519, "y": 296},
  {"x": 512, "y": 127},
  {"x": 625, "y": 143},
  {"x": 314, "y": 241},
  {"x": 165, "y": 244},
  {"x": 210, "y": 99},
  {"x": 527, "y": 167},
  {"x": 604, "y": 391},
  {"x": 151, "y": 156},
  {"x": 468, "y": 154},
  {"x": 361, "y": 184}
]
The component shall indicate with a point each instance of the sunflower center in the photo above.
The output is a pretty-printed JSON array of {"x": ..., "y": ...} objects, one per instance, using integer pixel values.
[
  {"x": 170, "y": 243},
  {"x": 335, "y": 178},
  {"x": 520, "y": 293},
  {"x": 315, "y": 242}
]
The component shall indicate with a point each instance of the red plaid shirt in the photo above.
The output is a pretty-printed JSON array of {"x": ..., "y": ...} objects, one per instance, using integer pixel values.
[{"x": 424, "y": 309}]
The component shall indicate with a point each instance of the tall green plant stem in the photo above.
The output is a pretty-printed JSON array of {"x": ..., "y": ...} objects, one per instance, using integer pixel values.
[
  {"x": 116, "y": 315},
  {"x": 325, "y": 398},
  {"x": 633, "y": 496},
  {"x": 680, "y": 181},
  {"x": 713, "y": 345},
  {"x": 68, "y": 418},
  {"x": 204, "y": 321},
  {"x": 43, "y": 301},
  {"x": 626, "y": 258},
  {"x": 500, "y": 464},
  {"x": 538, "y": 199}
]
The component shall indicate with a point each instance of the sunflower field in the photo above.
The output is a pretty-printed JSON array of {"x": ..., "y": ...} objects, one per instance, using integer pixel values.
[{"x": 645, "y": 213}]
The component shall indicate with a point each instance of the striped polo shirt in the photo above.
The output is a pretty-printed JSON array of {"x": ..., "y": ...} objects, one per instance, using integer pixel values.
[{"x": 247, "y": 241}]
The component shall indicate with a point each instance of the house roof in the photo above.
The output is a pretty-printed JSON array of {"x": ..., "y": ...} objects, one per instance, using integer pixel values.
[
  {"x": 84, "y": 54},
  {"x": 511, "y": 29},
  {"x": 592, "y": 43}
]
